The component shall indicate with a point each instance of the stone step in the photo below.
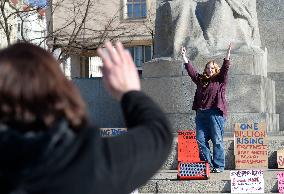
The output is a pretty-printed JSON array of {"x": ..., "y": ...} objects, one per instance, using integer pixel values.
[
  {"x": 165, "y": 181},
  {"x": 275, "y": 143},
  {"x": 242, "y": 63}
]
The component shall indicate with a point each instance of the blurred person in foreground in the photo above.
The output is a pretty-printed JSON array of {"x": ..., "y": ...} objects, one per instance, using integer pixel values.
[{"x": 47, "y": 145}]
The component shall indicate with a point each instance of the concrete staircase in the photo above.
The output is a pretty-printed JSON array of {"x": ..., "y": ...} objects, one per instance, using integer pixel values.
[{"x": 165, "y": 181}]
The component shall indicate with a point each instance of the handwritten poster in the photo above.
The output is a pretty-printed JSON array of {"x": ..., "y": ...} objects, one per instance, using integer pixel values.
[
  {"x": 250, "y": 146},
  {"x": 247, "y": 181},
  {"x": 280, "y": 176},
  {"x": 187, "y": 146},
  {"x": 109, "y": 132},
  {"x": 280, "y": 158}
]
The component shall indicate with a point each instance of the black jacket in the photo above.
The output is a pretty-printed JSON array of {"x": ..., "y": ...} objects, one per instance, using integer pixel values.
[{"x": 59, "y": 161}]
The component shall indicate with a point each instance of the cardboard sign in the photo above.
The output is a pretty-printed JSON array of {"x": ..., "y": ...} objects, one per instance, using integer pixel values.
[
  {"x": 280, "y": 158},
  {"x": 247, "y": 181},
  {"x": 250, "y": 146},
  {"x": 110, "y": 132},
  {"x": 280, "y": 176},
  {"x": 187, "y": 146}
]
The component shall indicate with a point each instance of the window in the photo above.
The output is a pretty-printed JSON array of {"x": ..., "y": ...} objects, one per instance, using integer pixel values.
[
  {"x": 136, "y": 9},
  {"x": 95, "y": 64},
  {"x": 140, "y": 54}
]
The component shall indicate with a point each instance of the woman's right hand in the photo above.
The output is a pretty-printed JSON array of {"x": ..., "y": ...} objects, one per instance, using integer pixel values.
[{"x": 119, "y": 71}]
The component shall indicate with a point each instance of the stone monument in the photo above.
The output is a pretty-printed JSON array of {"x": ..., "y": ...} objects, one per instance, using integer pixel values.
[{"x": 206, "y": 27}]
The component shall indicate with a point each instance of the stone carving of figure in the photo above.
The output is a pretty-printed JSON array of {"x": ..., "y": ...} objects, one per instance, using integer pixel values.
[{"x": 206, "y": 26}]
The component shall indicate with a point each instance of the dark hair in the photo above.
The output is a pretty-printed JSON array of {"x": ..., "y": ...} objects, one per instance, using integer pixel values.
[{"x": 35, "y": 92}]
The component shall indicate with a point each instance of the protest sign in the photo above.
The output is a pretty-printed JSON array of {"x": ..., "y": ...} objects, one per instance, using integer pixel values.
[
  {"x": 109, "y": 132},
  {"x": 250, "y": 145},
  {"x": 280, "y": 158},
  {"x": 247, "y": 181},
  {"x": 187, "y": 146},
  {"x": 280, "y": 176}
]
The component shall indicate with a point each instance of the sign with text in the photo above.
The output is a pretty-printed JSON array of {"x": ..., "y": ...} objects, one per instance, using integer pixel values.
[
  {"x": 280, "y": 176},
  {"x": 250, "y": 146},
  {"x": 247, "y": 181},
  {"x": 187, "y": 146},
  {"x": 110, "y": 132},
  {"x": 280, "y": 158}
]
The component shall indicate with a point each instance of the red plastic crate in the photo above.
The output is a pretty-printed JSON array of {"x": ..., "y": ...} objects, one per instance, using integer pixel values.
[{"x": 193, "y": 170}]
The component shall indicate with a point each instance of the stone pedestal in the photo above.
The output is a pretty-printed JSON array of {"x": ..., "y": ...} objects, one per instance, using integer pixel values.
[
  {"x": 250, "y": 94},
  {"x": 279, "y": 93}
]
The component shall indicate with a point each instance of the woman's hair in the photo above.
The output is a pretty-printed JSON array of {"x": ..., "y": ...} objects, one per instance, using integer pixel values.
[
  {"x": 205, "y": 78},
  {"x": 215, "y": 65},
  {"x": 34, "y": 93}
]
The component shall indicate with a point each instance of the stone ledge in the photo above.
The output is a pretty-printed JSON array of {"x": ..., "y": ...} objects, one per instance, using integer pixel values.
[
  {"x": 166, "y": 182},
  {"x": 242, "y": 63}
]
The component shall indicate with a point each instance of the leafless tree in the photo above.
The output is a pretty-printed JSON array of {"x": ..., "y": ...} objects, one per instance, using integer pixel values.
[
  {"x": 149, "y": 23},
  {"x": 81, "y": 31},
  {"x": 87, "y": 28},
  {"x": 74, "y": 26},
  {"x": 10, "y": 10}
]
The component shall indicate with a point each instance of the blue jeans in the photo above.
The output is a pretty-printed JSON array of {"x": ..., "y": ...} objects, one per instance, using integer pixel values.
[{"x": 210, "y": 126}]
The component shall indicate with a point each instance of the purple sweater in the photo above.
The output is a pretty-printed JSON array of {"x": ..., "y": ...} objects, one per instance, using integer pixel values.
[{"x": 212, "y": 96}]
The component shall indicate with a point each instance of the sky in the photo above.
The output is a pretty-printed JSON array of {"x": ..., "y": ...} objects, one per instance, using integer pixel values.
[{"x": 36, "y": 3}]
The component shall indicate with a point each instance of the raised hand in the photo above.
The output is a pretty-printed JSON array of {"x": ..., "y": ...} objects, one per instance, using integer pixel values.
[
  {"x": 183, "y": 53},
  {"x": 229, "y": 51},
  {"x": 119, "y": 71}
]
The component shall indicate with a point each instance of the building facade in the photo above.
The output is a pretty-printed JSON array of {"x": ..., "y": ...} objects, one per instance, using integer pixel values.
[
  {"x": 9, "y": 22},
  {"x": 22, "y": 22},
  {"x": 80, "y": 34}
]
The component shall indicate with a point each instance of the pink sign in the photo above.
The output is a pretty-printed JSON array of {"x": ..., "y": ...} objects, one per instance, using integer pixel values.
[{"x": 280, "y": 176}]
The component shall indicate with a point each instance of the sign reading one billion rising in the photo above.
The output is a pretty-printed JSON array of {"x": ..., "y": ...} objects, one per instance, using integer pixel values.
[{"x": 250, "y": 145}]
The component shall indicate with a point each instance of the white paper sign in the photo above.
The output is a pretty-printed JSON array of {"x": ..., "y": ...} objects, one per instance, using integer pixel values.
[{"x": 247, "y": 181}]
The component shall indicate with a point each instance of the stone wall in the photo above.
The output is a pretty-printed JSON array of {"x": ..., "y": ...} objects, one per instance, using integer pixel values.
[
  {"x": 271, "y": 27},
  {"x": 104, "y": 111}
]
